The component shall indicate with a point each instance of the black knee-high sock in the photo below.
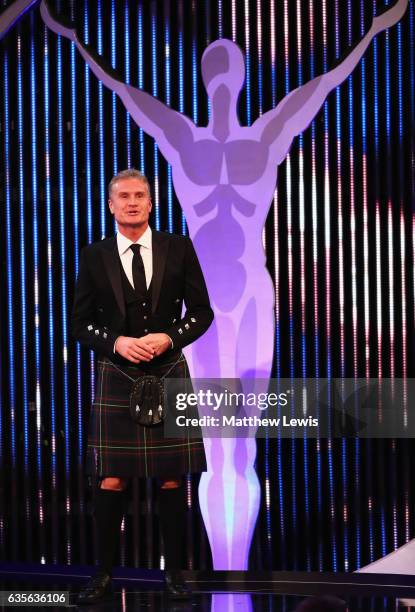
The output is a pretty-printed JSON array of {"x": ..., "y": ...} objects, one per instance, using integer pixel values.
[
  {"x": 109, "y": 509},
  {"x": 172, "y": 513}
]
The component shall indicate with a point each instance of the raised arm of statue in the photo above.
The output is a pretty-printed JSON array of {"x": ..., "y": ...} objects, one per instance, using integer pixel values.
[
  {"x": 171, "y": 130},
  {"x": 296, "y": 111},
  {"x": 12, "y": 13}
]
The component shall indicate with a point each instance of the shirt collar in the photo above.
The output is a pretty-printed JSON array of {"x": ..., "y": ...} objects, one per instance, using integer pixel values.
[{"x": 124, "y": 243}]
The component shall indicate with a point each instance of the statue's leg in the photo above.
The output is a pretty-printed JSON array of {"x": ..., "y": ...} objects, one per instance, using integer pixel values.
[{"x": 229, "y": 492}]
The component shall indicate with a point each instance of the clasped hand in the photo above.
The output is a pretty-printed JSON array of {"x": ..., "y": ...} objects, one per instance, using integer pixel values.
[{"x": 142, "y": 349}]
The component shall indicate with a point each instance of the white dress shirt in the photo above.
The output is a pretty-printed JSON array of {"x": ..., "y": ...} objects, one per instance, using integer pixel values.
[{"x": 126, "y": 254}]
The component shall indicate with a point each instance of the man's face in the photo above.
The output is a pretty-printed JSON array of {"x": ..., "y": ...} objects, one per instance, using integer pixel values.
[{"x": 130, "y": 202}]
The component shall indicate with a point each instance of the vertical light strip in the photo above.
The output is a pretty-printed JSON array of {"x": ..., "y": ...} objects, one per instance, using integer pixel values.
[
  {"x": 101, "y": 123},
  {"x": 368, "y": 445},
  {"x": 51, "y": 316},
  {"x": 233, "y": 17},
  {"x": 402, "y": 214},
  {"x": 181, "y": 85},
  {"x": 167, "y": 60},
  {"x": 76, "y": 347},
  {"x": 301, "y": 197},
  {"x": 154, "y": 91},
  {"x": 352, "y": 202},
  {"x": 412, "y": 139},
  {"x": 23, "y": 298},
  {"x": 88, "y": 172},
  {"x": 357, "y": 487},
  {"x": 327, "y": 242},
  {"x": 113, "y": 94},
  {"x": 2, "y": 412},
  {"x": 127, "y": 78},
  {"x": 391, "y": 278},
  {"x": 220, "y": 29},
  {"x": 273, "y": 36},
  {"x": 281, "y": 537},
  {"x": 365, "y": 204},
  {"x": 194, "y": 64},
  {"x": 35, "y": 254},
  {"x": 290, "y": 272},
  {"x": 404, "y": 296},
  {"x": 259, "y": 48},
  {"x": 248, "y": 63},
  {"x": 314, "y": 213},
  {"x": 63, "y": 300},
  {"x": 412, "y": 167},
  {"x": 141, "y": 80},
  {"x": 378, "y": 248},
  {"x": 10, "y": 301},
  {"x": 266, "y": 454},
  {"x": 345, "y": 508},
  {"x": 87, "y": 131}
]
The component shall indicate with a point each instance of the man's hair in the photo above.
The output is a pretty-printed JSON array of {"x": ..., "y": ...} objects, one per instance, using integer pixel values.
[{"x": 129, "y": 173}]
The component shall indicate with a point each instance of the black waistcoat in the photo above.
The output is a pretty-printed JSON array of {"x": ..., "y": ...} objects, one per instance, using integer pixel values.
[{"x": 138, "y": 320}]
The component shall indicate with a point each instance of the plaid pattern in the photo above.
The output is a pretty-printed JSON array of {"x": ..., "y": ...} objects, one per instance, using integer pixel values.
[{"x": 118, "y": 447}]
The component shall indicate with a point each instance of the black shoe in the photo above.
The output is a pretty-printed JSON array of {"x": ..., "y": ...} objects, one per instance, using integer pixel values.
[
  {"x": 98, "y": 587},
  {"x": 176, "y": 587}
]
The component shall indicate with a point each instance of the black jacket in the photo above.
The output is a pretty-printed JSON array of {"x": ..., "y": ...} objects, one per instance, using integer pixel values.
[{"x": 98, "y": 314}]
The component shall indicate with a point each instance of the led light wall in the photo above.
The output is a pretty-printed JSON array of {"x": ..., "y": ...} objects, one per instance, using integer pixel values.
[{"x": 339, "y": 239}]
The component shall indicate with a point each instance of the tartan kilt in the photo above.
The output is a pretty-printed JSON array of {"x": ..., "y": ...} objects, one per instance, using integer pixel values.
[{"x": 117, "y": 446}]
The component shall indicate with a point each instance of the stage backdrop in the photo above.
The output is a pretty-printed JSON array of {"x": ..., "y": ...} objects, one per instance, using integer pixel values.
[{"x": 340, "y": 243}]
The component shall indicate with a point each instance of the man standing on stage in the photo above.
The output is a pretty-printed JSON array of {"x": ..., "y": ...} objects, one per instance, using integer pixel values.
[{"x": 128, "y": 309}]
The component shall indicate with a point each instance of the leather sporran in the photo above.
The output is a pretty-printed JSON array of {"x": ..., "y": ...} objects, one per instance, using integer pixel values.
[{"x": 147, "y": 401}]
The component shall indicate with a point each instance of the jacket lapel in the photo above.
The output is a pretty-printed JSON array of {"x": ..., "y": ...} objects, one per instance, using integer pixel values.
[
  {"x": 160, "y": 244},
  {"x": 112, "y": 267}
]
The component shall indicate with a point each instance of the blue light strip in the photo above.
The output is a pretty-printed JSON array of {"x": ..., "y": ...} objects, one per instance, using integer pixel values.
[
  {"x": 167, "y": 51},
  {"x": 88, "y": 171},
  {"x": 127, "y": 78},
  {"x": 140, "y": 80},
  {"x": 391, "y": 279},
  {"x": 302, "y": 277},
  {"x": 35, "y": 244},
  {"x": 88, "y": 131},
  {"x": 181, "y": 87},
  {"x": 50, "y": 284},
  {"x": 113, "y": 94},
  {"x": 248, "y": 63},
  {"x": 75, "y": 197},
  {"x": 63, "y": 302},
  {"x": 288, "y": 186},
  {"x": 357, "y": 489},
  {"x": 194, "y": 64},
  {"x": 10, "y": 301},
  {"x": 316, "y": 282},
  {"x": 23, "y": 298},
  {"x": 220, "y": 25},
  {"x": 378, "y": 248},
  {"x": 327, "y": 245},
  {"x": 154, "y": 90},
  {"x": 259, "y": 46},
  {"x": 369, "y": 446},
  {"x": 281, "y": 536},
  {"x": 101, "y": 120}
]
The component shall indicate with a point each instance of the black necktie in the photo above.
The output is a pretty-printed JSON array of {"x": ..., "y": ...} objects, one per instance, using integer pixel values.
[{"x": 139, "y": 276}]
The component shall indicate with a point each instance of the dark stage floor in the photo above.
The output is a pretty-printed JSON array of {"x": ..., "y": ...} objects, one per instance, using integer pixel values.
[{"x": 216, "y": 592}]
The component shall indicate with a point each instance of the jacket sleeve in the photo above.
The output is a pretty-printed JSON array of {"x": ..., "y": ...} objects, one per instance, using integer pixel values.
[
  {"x": 199, "y": 314},
  {"x": 84, "y": 324}
]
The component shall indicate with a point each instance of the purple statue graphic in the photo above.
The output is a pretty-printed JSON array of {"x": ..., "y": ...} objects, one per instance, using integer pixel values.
[{"x": 224, "y": 176}]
